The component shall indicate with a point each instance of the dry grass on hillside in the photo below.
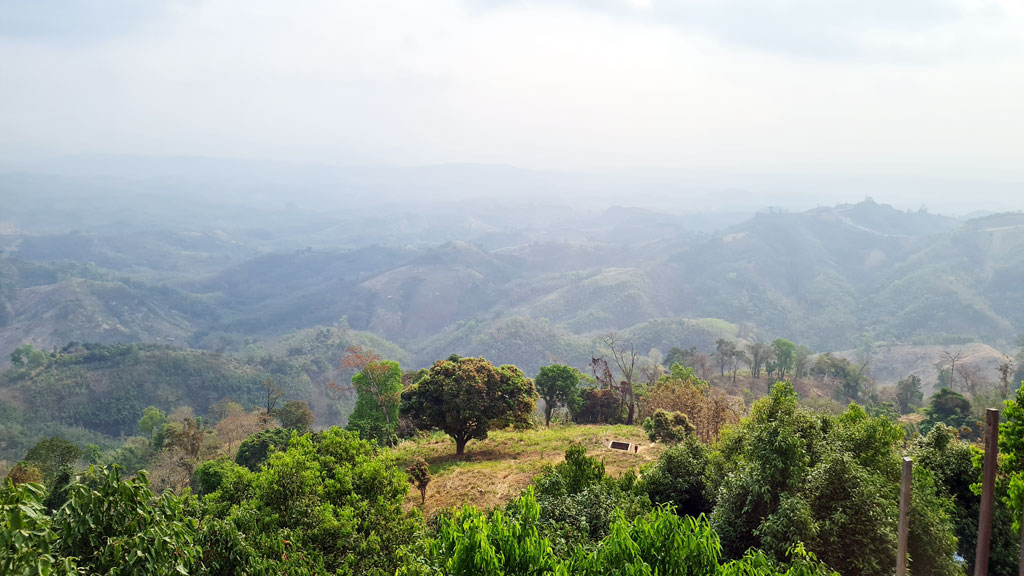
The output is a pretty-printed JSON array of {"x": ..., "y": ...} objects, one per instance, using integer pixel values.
[{"x": 499, "y": 468}]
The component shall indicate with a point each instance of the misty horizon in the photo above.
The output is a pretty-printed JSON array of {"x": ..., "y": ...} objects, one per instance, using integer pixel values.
[{"x": 914, "y": 105}]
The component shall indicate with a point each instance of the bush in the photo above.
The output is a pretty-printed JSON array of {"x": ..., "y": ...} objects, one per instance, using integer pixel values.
[
  {"x": 118, "y": 527},
  {"x": 678, "y": 478},
  {"x": 27, "y": 540},
  {"x": 668, "y": 427},
  {"x": 255, "y": 449}
]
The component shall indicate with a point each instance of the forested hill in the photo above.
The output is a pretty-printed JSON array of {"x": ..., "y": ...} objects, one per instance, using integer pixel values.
[{"x": 832, "y": 278}]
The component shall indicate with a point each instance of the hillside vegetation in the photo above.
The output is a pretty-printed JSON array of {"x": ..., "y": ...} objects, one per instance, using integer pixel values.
[{"x": 832, "y": 278}]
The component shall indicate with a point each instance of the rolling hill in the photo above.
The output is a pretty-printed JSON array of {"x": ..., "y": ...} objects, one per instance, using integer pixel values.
[{"x": 831, "y": 278}]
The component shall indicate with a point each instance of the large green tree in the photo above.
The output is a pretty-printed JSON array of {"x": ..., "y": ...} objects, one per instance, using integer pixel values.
[
  {"x": 558, "y": 385},
  {"x": 465, "y": 397}
]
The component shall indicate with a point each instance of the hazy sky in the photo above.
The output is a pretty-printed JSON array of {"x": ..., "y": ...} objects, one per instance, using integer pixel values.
[{"x": 910, "y": 87}]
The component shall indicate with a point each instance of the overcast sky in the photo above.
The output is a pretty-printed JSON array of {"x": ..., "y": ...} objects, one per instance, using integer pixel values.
[{"x": 905, "y": 87}]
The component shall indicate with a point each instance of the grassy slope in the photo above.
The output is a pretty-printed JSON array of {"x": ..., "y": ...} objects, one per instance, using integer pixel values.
[{"x": 500, "y": 467}]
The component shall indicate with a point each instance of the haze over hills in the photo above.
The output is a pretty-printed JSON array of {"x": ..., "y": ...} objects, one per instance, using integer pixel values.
[{"x": 521, "y": 281}]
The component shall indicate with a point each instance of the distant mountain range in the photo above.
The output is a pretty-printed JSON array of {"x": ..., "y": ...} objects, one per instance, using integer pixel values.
[{"x": 527, "y": 284}]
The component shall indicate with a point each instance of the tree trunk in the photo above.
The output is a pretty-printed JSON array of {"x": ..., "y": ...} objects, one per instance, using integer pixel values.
[
  {"x": 632, "y": 410},
  {"x": 547, "y": 413},
  {"x": 460, "y": 446}
]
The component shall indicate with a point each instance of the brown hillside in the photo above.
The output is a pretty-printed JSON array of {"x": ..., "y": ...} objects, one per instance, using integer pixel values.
[{"x": 889, "y": 364}]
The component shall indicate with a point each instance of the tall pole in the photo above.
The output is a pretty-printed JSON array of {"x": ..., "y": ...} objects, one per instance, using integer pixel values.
[
  {"x": 988, "y": 486},
  {"x": 904, "y": 527}
]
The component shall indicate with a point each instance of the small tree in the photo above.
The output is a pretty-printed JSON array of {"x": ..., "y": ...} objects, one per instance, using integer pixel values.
[
  {"x": 51, "y": 455},
  {"x": 801, "y": 361},
  {"x": 951, "y": 358},
  {"x": 785, "y": 357},
  {"x": 952, "y": 409},
  {"x": 152, "y": 420},
  {"x": 679, "y": 478},
  {"x": 908, "y": 394},
  {"x": 466, "y": 396},
  {"x": 28, "y": 357},
  {"x": 558, "y": 385},
  {"x": 296, "y": 415},
  {"x": 1005, "y": 372},
  {"x": 378, "y": 384},
  {"x": 725, "y": 351},
  {"x": 273, "y": 393},
  {"x": 419, "y": 476},
  {"x": 757, "y": 354},
  {"x": 255, "y": 449}
]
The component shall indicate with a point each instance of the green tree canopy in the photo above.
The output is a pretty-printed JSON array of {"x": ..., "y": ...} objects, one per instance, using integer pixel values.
[
  {"x": 558, "y": 385},
  {"x": 908, "y": 394},
  {"x": 255, "y": 449},
  {"x": 379, "y": 387},
  {"x": 295, "y": 415},
  {"x": 679, "y": 478},
  {"x": 952, "y": 409},
  {"x": 793, "y": 477},
  {"x": 332, "y": 504},
  {"x": 152, "y": 421},
  {"x": 464, "y": 397},
  {"x": 784, "y": 357},
  {"x": 51, "y": 455}
]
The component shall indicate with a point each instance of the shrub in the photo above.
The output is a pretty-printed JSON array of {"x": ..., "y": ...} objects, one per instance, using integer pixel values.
[{"x": 668, "y": 427}]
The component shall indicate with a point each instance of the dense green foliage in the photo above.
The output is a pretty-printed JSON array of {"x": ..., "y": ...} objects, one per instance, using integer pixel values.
[
  {"x": 511, "y": 542},
  {"x": 255, "y": 450},
  {"x": 329, "y": 502},
  {"x": 791, "y": 477},
  {"x": 774, "y": 495},
  {"x": 27, "y": 539},
  {"x": 109, "y": 525},
  {"x": 679, "y": 478},
  {"x": 52, "y": 455},
  {"x": 379, "y": 386},
  {"x": 952, "y": 409},
  {"x": 295, "y": 415},
  {"x": 579, "y": 502}
]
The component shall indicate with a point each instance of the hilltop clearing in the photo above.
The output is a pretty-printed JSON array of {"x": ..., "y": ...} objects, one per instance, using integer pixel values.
[{"x": 497, "y": 469}]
